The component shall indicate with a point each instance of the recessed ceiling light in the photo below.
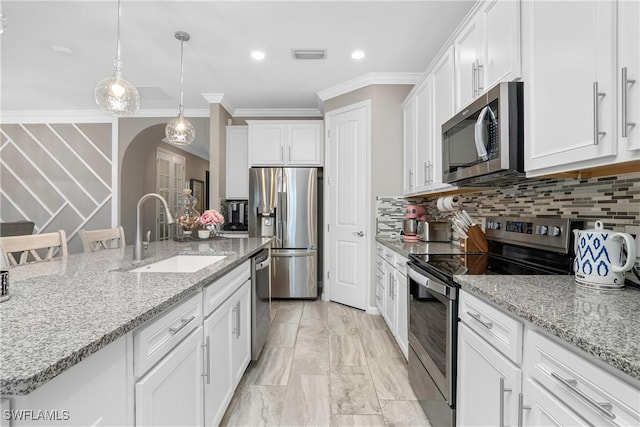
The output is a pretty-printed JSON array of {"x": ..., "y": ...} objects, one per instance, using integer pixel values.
[
  {"x": 357, "y": 54},
  {"x": 62, "y": 49},
  {"x": 258, "y": 55}
]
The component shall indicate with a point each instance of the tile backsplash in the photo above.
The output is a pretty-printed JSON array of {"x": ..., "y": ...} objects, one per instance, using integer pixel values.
[{"x": 614, "y": 199}]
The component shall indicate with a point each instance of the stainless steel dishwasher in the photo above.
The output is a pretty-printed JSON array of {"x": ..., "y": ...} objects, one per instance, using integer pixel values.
[{"x": 260, "y": 301}]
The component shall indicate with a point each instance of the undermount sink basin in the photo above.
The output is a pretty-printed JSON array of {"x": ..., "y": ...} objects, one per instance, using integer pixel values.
[{"x": 180, "y": 264}]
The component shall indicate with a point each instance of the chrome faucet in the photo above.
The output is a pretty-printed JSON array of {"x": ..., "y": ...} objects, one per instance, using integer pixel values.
[{"x": 137, "y": 247}]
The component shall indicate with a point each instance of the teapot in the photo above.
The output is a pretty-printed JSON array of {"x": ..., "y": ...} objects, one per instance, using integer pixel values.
[{"x": 600, "y": 256}]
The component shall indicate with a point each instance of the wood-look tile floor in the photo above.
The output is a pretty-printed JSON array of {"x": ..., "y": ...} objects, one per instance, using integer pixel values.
[{"x": 326, "y": 364}]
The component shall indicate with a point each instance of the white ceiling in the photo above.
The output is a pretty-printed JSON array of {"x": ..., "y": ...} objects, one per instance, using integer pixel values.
[{"x": 397, "y": 36}]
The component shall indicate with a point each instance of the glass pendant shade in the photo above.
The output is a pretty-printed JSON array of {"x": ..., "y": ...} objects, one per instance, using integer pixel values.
[
  {"x": 116, "y": 95},
  {"x": 180, "y": 131}
]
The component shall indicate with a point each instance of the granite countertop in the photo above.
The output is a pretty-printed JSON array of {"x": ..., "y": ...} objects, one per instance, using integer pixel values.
[
  {"x": 406, "y": 248},
  {"x": 62, "y": 311},
  {"x": 604, "y": 324}
]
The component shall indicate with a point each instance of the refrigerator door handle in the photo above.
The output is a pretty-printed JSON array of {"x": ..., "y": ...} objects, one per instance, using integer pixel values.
[{"x": 292, "y": 252}]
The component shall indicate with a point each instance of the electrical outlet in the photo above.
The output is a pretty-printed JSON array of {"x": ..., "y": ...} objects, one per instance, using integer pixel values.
[
  {"x": 634, "y": 230},
  {"x": 483, "y": 223}
]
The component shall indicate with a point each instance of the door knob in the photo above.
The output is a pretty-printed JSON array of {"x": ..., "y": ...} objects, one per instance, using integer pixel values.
[{"x": 358, "y": 233}]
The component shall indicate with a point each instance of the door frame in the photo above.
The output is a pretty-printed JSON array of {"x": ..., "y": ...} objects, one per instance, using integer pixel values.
[{"x": 328, "y": 175}]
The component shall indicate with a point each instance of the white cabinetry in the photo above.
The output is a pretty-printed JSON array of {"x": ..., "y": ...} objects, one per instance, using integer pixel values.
[
  {"x": 487, "y": 49},
  {"x": 570, "y": 91},
  {"x": 285, "y": 143},
  {"x": 227, "y": 336},
  {"x": 489, "y": 354},
  {"x": 237, "y": 162},
  {"x": 511, "y": 374},
  {"x": 410, "y": 108},
  {"x": 171, "y": 393},
  {"x": 393, "y": 303},
  {"x": 629, "y": 66}
]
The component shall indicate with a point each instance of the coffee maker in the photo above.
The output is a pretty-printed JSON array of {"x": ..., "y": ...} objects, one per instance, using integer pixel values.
[
  {"x": 236, "y": 216},
  {"x": 413, "y": 215}
]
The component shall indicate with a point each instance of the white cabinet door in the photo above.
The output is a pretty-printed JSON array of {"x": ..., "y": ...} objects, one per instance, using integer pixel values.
[
  {"x": 402, "y": 313},
  {"x": 237, "y": 162},
  {"x": 305, "y": 144},
  {"x": 171, "y": 393},
  {"x": 266, "y": 144},
  {"x": 218, "y": 388},
  {"x": 501, "y": 51},
  {"x": 241, "y": 332},
  {"x": 544, "y": 409},
  {"x": 390, "y": 297},
  {"x": 443, "y": 97},
  {"x": 488, "y": 383},
  {"x": 467, "y": 46},
  {"x": 409, "y": 144},
  {"x": 629, "y": 64},
  {"x": 423, "y": 149},
  {"x": 562, "y": 64}
]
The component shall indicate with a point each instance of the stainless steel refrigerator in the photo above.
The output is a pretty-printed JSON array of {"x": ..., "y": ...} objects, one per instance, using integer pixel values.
[{"x": 283, "y": 204}]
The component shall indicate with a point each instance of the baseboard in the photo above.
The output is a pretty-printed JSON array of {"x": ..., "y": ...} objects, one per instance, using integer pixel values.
[{"x": 373, "y": 310}]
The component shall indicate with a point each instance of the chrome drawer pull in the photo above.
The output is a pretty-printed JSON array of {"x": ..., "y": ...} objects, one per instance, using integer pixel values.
[
  {"x": 521, "y": 409},
  {"x": 502, "y": 391},
  {"x": 625, "y": 83},
  {"x": 207, "y": 363},
  {"x": 603, "y": 408},
  {"x": 487, "y": 325},
  {"x": 597, "y": 133},
  {"x": 184, "y": 322}
]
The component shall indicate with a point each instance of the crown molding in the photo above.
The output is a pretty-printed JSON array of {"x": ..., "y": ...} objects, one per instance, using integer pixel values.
[
  {"x": 277, "y": 112},
  {"x": 218, "y": 98},
  {"x": 366, "y": 80},
  {"x": 56, "y": 116},
  {"x": 173, "y": 112}
]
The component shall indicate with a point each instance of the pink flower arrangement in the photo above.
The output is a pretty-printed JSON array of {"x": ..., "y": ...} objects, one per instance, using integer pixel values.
[{"x": 210, "y": 218}]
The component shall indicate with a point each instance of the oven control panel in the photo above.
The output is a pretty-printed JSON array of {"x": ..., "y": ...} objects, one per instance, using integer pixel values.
[{"x": 543, "y": 232}]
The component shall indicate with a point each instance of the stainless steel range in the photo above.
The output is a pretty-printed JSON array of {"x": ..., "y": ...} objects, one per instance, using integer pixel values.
[{"x": 522, "y": 246}]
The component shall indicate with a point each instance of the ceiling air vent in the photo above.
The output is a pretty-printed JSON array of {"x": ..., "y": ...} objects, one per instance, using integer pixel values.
[{"x": 309, "y": 53}]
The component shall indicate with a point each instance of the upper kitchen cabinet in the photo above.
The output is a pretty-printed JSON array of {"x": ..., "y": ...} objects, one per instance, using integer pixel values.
[
  {"x": 409, "y": 143},
  {"x": 237, "y": 161},
  {"x": 285, "y": 143},
  {"x": 570, "y": 85},
  {"x": 629, "y": 72},
  {"x": 487, "y": 49}
]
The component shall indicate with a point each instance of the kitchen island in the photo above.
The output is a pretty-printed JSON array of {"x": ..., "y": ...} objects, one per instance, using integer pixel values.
[{"x": 61, "y": 312}]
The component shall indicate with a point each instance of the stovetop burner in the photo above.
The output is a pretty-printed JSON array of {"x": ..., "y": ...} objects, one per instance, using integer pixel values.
[{"x": 517, "y": 246}]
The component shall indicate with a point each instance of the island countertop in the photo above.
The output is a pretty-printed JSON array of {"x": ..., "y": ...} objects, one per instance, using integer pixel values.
[
  {"x": 62, "y": 311},
  {"x": 604, "y": 324}
]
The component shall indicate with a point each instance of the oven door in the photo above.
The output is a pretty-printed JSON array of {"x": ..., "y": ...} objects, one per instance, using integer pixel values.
[{"x": 433, "y": 312}]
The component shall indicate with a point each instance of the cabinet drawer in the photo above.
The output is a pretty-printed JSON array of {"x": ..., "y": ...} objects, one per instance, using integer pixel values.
[
  {"x": 153, "y": 341},
  {"x": 217, "y": 292},
  {"x": 380, "y": 249},
  {"x": 401, "y": 265},
  {"x": 390, "y": 256},
  {"x": 380, "y": 263},
  {"x": 501, "y": 330},
  {"x": 581, "y": 384}
]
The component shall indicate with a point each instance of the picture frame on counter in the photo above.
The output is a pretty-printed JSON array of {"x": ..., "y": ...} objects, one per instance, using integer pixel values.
[{"x": 197, "y": 189}]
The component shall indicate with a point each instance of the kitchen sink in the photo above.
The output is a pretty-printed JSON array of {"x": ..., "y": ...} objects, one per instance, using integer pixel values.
[{"x": 180, "y": 264}]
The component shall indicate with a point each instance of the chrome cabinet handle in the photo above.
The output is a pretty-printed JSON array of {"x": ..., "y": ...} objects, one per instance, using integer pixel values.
[
  {"x": 410, "y": 178},
  {"x": 487, "y": 325},
  {"x": 521, "y": 409},
  {"x": 603, "y": 408},
  {"x": 289, "y": 152},
  {"x": 358, "y": 233},
  {"x": 478, "y": 68},
  {"x": 625, "y": 122},
  {"x": 473, "y": 79},
  {"x": 183, "y": 323},
  {"x": 234, "y": 329},
  {"x": 207, "y": 363},
  {"x": 238, "y": 314},
  {"x": 502, "y": 392},
  {"x": 282, "y": 152},
  {"x": 597, "y": 133}
]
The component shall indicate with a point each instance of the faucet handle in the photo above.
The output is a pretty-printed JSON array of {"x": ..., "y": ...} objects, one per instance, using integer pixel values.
[{"x": 145, "y": 243}]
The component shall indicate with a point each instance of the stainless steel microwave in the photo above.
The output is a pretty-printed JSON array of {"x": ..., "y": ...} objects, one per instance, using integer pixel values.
[{"x": 483, "y": 144}]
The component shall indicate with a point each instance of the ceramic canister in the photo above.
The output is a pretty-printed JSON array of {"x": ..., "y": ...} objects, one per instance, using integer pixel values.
[{"x": 600, "y": 256}]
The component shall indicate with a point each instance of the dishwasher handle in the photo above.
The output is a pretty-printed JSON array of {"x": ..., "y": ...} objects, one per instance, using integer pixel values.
[{"x": 264, "y": 263}]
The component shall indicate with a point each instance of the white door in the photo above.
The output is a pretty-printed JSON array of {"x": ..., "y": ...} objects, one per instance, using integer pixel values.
[
  {"x": 389, "y": 296},
  {"x": 467, "y": 54},
  {"x": 424, "y": 143},
  {"x": 266, "y": 144},
  {"x": 241, "y": 332},
  {"x": 443, "y": 96},
  {"x": 629, "y": 64},
  {"x": 347, "y": 204},
  {"x": 502, "y": 42},
  {"x": 170, "y": 178},
  {"x": 542, "y": 408},
  {"x": 218, "y": 388},
  {"x": 171, "y": 393},
  {"x": 304, "y": 144},
  {"x": 237, "y": 177},
  {"x": 410, "y": 135}
]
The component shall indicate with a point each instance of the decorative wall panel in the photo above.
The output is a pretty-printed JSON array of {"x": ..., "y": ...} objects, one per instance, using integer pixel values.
[{"x": 58, "y": 175}]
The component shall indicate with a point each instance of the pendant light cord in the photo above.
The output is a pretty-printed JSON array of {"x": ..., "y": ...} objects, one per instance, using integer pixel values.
[{"x": 181, "y": 76}]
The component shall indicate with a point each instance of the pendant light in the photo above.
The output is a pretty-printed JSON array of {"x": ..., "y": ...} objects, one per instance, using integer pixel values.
[
  {"x": 180, "y": 131},
  {"x": 114, "y": 94}
]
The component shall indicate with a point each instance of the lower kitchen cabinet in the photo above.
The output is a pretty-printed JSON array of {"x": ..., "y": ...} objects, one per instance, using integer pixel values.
[
  {"x": 227, "y": 341},
  {"x": 488, "y": 383},
  {"x": 544, "y": 409},
  {"x": 171, "y": 393}
]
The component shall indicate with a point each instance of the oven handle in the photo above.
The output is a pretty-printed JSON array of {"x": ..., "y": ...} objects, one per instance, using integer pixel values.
[{"x": 429, "y": 284}]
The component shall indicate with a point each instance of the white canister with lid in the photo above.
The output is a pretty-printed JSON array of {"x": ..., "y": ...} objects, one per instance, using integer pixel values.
[{"x": 601, "y": 260}]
